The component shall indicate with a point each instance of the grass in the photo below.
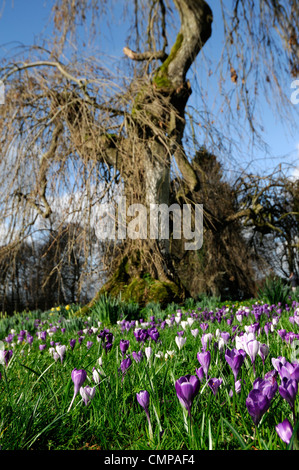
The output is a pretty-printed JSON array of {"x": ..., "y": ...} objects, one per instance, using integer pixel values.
[{"x": 36, "y": 390}]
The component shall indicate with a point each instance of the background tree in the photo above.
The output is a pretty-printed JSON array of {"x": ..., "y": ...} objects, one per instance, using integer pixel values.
[{"x": 73, "y": 124}]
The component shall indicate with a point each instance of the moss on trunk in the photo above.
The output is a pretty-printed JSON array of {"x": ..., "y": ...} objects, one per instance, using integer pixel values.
[{"x": 135, "y": 285}]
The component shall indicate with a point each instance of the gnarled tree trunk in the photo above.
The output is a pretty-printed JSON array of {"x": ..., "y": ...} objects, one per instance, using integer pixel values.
[{"x": 155, "y": 132}]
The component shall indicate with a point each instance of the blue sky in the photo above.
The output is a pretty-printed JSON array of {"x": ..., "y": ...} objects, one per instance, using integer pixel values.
[{"x": 23, "y": 20}]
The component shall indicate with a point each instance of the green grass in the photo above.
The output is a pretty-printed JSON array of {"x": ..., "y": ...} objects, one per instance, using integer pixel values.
[{"x": 36, "y": 390}]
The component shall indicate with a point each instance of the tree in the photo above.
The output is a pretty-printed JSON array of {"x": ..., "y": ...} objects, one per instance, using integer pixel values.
[{"x": 71, "y": 125}]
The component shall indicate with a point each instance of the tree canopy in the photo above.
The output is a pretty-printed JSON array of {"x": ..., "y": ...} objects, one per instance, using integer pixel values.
[{"x": 78, "y": 131}]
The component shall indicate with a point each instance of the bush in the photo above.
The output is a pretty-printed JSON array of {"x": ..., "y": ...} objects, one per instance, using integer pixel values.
[{"x": 274, "y": 291}]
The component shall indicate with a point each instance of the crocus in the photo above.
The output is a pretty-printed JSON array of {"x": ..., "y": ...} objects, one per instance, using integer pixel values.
[
  {"x": 257, "y": 404},
  {"x": 5, "y": 356},
  {"x": 124, "y": 345},
  {"x": 235, "y": 359},
  {"x": 289, "y": 370},
  {"x": 288, "y": 390},
  {"x": 263, "y": 352},
  {"x": 78, "y": 377},
  {"x": 143, "y": 400},
  {"x": 125, "y": 364},
  {"x": 87, "y": 393},
  {"x": 137, "y": 356},
  {"x": 180, "y": 341},
  {"x": 200, "y": 373},
  {"x": 204, "y": 358},
  {"x": 214, "y": 384},
  {"x": 154, "y": 333},
  {"x": 61, "y": 350},
  {"x": 187, "y": 388},
  {"x": 284, "y": 431},
  {"x": 148, "y": 352}
]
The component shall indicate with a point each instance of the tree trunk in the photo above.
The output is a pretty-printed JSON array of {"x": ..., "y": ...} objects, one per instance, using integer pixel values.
[{"x": 155, "y": 132}]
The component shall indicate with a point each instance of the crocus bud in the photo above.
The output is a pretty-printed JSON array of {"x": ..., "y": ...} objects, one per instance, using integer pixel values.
[
  {"x": 143, "y": 399},
  {"x": 124, "y": 345},
  {"x": 87, "y": 393},
  {"x": 285, "y": 431},
  {"x": 78, "y": 377}
]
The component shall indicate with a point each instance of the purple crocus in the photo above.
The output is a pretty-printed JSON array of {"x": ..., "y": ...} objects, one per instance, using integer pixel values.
[
  {"x": 288, "y": 390},
  {"x": 235, "y": 359},
  {"x": 284, "y": 431},
  {"x": 72, "y": 343},
  {"x": 289, "y": 370},
  {"x": 137, "y": 356},
  {"x": 124, "y": 345},
  {"x": 154, "y": 333},
  {"x": 259, "y": 398},
  {"x": 125, "y": 364},
  {"x": 78, "y": 377},
  {"x": 5, "y": 356},
  {"x": 200, "y": 373},
  {"x": 257, "y": 404},
  {"x": 143, "y": 400},
  {"x": 214, "y": 384},
  {"x": 187, "y": 388},
  {"x": 204, "y": 358}
]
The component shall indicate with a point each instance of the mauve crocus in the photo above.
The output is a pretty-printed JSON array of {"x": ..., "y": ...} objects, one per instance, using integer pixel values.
[
  {"x": 87, "y": 393},
  {"x": 204, "y": 358},
  {"x": 137, "y": 356},
  {"x": 214, "y": 384},
  {"x": 206, "y": 340},
  {"x": 187, "y": 388},
  {"x": 289, "y": 370},
  {"x": 288, "y": 390},
  {"x": 263, "y": 352},
  {"x": 285, "y": 431},
  {"x": 235, "y": 359},
  {"x": 72, "y": 343},
  {"x": 5, "y": 356},
  {"x": 89, "y": 344},
  {"x": 124, "y": 345},
  {"x": 238, "y": 386},
  {"x": 259, "y": 398},
  {"x": 29, "y": 339},
  {"x": 268, "y": 385},
  {"x": 78, "y": 377},
  {"x": 143, "y": 400},
  {"x": 200, "y": 373},
  {"x": 124, "y": 365},
  {"x": 195, "y": 332},
  {"x": 154, "y": 334},
  {"x": 42, "y": 347},
  {"x": 257, "y": 404}
]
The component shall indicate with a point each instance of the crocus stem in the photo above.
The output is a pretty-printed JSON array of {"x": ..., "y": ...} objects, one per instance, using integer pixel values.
[
  {"x": 71, "y": 402},
  {"x": 150, "y": 430}
]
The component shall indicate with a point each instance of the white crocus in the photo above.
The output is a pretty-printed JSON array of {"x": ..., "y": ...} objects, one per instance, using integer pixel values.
[{"x": 180, "y": 341}]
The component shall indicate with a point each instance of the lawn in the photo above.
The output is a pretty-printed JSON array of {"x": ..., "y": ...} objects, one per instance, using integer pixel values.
[{"x": 205, "y": 375}]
